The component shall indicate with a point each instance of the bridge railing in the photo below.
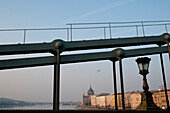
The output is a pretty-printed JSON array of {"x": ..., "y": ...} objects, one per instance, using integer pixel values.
[
  {"x": 112, "y": 29},
  {"x": 79, "y": 31}
]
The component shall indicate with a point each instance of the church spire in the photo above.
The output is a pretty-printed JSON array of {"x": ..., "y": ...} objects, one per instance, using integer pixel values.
[{"x": 83, "y": 94}]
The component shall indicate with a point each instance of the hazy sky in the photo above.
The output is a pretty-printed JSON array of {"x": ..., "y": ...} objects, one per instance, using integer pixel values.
[{"x": 35, "y": 84}]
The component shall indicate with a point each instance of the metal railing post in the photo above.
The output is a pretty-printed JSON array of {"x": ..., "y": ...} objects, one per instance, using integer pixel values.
[
  {"x": 110, "y": 30},
  {"x": 24, "y": 36},
  {"x": 166, "y": 28},
  {"x": 67, "y": 34},
  {"x": 104, "y": 33},
  {"x": 137, "y": 31},
  {"x": 143, "y": 29},
  {"x": 71, "y": 32}
]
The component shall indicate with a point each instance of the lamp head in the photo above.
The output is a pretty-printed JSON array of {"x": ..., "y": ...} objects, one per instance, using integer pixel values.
[{"x": 143, "y": 65}]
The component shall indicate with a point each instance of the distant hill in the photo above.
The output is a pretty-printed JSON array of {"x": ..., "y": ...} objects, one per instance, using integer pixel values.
[
  {"x": 6, "y": 99},
  {"x": 7, "y": 102}
]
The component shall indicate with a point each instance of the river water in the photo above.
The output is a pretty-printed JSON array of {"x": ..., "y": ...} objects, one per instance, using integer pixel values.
[{"x": 41, "y": 107}]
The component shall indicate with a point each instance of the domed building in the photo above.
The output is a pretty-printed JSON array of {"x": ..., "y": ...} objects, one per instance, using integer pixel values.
[
  {"x": 86, "y": 100},
  {"x": 90, "y": 91}
]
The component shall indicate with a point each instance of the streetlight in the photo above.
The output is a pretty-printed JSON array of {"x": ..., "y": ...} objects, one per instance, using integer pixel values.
[
  {"x": 146, "y": 96},
  {"x": 143, "y": 65}
]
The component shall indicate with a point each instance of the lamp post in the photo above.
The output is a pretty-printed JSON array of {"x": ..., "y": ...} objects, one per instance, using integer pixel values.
[{"x": 146, "y": 96}]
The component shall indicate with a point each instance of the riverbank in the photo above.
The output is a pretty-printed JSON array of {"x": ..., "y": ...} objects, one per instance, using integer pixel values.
[{"x": 91, "y": 108}]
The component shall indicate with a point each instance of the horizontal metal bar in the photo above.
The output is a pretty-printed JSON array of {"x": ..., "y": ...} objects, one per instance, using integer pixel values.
[
  {"x": 119, "y": 26},
  {"x": 145, "y": 51},
  {"x": 79, "y": 45},
  {"x": 35, "y": 29},
  {"x": 27, "y": 62},
  {"x": 25, "y": 48},
  {"x": 88, "y": 27},
  {"x": 160, "y": 21},
  {"x": 110, "y": 43},
  {"x": 65, "y": 59}
]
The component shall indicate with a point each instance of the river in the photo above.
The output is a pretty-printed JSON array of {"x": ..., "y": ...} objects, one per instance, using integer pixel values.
[{"x": 41, "y": 107}]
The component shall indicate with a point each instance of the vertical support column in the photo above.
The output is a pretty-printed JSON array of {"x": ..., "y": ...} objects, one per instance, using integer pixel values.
[
  {"x": 56, "y": 90},
  {"x": 119, "y": 54},
  {"x": 115, "y": 85},
  {"x": 121, "y": 82},
  {"x": 164, "y": 80}
]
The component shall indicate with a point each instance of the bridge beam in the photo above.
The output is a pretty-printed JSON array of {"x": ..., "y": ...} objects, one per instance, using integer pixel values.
[
  {"x": 81, "y": 45},
  {"x": 25, "y": 48},
  {"x": 110, "y": 43},
  {"x": 65, "y": 59}
]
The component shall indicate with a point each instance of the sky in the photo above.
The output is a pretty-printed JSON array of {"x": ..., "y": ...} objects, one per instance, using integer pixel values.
[{"x": 35, "y": 84}]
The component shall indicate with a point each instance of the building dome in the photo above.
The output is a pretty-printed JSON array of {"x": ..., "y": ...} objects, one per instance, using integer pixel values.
[{"x": 90, "y": 91}]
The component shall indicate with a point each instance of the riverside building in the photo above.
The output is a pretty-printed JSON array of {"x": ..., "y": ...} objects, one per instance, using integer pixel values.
[
  {"x": 132, "y": 99},
  {"x": 86, "y": 99}
]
